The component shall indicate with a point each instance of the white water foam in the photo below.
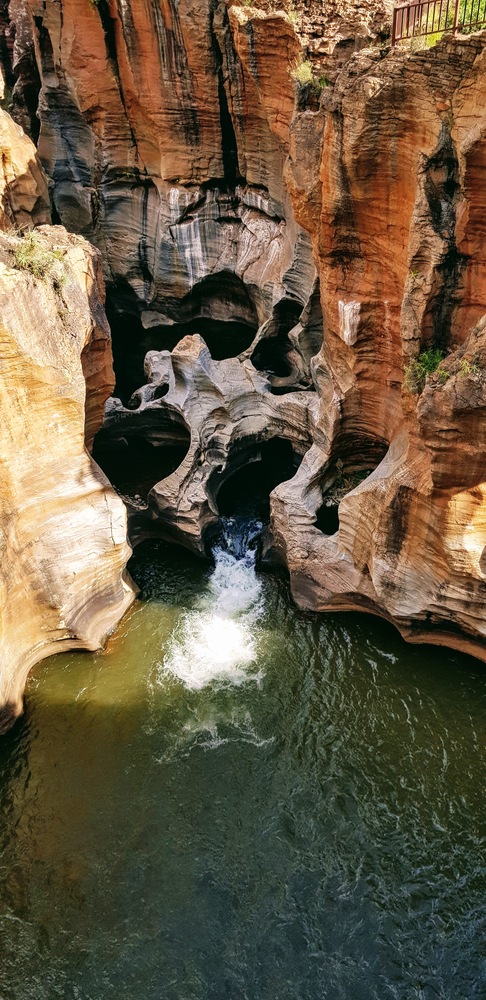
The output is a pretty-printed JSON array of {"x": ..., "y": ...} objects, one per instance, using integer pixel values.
[{"x": 216, "y": 642}]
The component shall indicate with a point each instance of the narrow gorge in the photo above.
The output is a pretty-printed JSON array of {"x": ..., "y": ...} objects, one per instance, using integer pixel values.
[
  {"x": 278, "y": 255},
  {"x": 243, "y": 326}
]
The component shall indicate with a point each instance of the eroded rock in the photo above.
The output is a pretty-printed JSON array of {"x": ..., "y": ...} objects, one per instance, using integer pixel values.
[
  {"x": 334, "y": 233},
  {"x": 24, "y": 198},
  {"x": 62, "y": 529},
  {"x": 229, "y": 414}
]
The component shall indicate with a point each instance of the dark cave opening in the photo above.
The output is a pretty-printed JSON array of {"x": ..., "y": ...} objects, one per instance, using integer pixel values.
[
  {"x": 356, "y": 459},
  {"x": 327, "y": 518},
  {"x": 219, "y": 308},
  {"x": 131, "y": 342},
  {"x": 271, "y": 354},
  {"x": 254, "y": 469},
  {"x": 134, "y": 460}
]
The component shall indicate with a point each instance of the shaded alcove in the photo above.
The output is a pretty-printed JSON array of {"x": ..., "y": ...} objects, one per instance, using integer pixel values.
[
  {"x": 271, "y": 354},
  {"x": 327, "y": 518},
  {"x": 219, "y": 308},
  {"x": 254, "y": 469},
  {"x": 357, "y": 458},
  {"x": 135, "y": 460}
]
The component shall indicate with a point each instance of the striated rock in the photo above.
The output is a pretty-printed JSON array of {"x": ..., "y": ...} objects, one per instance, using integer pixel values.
[
  {"x": 165, "y": 130},
  {"x": 278, "y": 256},
  {"x": 229, "y": 414},
  {"x": 331, "y": 33},
  {"x": 401, "y": 268},
  {"x": 24, "y": 199},
  {"x": 62, "y": 529}
]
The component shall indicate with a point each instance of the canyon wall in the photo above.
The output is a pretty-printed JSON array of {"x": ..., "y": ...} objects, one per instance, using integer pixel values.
[
  {"x": 279, "y": 256},
  {"x": 62, "y": 529},
  {"x": 400, "y": 245}
]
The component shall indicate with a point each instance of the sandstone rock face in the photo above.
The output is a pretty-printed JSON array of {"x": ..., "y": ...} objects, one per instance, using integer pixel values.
[
  {"x": 229, "y": 414},
  {"x": 62, "y": 529},
  {"x": 162, "y": 126},
  {"x": 24, "y": 199},
  {"x": 277, "y": 259},
  {"x": 401, "y": 267}
]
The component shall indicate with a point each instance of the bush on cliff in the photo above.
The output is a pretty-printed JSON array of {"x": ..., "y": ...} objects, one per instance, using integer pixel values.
[
  {"x": 32, "y": 254},
  {"x": 417, "y": 370}
]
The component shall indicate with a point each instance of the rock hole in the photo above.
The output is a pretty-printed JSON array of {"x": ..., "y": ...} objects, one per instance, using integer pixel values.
[
  {"x": 357, "y": 460},
  {"x": 253, "y": 470},
  {"x": 134, "y": 460},
  {"x": 271, "y": 354},
  {"x": 220, "y": 308}
]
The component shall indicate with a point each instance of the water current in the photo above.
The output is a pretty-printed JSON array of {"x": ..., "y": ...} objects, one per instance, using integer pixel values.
[{"x": 241, "y": 801}]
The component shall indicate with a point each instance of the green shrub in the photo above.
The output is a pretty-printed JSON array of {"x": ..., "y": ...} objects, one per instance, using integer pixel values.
[
  {"x": 469, "y": 369},
  {"x": 343, "y": 483},
  {"x": 31, "y": 254},
  {"x": 302, "y": 73},
  {"x": 417, "y": 370}
]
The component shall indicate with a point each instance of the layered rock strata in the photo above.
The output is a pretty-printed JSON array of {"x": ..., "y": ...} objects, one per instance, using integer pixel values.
[
  {"x": 62, "y": 529},
  {"x": 319, "y": 240},
  {"x": 400, "y": 248},
  {"x": 24, "y": 198}
]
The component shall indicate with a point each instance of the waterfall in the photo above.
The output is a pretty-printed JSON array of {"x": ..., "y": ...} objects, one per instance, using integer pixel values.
[{"x": 216, "y": 642}]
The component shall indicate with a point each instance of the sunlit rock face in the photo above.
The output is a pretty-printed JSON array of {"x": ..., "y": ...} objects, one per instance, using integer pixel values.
[
  {"x": 24, "y": 199},
  {"x": 62, "y": 529},
  {"x": 402, "y": 270},
  {"x": 294, "y": 252},
  {"x": 165, "y": 128}
]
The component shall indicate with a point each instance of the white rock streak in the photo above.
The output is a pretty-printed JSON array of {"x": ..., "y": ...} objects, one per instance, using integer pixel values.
[{"x": 349, "y": 321}]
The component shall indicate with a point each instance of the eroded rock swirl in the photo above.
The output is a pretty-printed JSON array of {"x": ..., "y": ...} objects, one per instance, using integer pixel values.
[
  {"x": 63, "y": 530},
  {"x": 278, "y": 257}
]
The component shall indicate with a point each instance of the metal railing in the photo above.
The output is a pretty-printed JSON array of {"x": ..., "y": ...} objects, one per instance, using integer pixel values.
[{"x": 433, "y": 17}]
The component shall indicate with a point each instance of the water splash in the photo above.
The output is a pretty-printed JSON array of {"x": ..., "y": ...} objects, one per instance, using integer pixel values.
[{"x": 216, "y": 643}]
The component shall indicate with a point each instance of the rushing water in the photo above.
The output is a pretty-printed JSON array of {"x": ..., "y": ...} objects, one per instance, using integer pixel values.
[{"x": 239, "y": 801}]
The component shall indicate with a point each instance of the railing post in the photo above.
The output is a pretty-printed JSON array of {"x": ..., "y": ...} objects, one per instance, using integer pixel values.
[{"x": 456, "y": 15}]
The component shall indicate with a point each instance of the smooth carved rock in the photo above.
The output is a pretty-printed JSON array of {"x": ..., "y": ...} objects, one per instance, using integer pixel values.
[
  {"x": 173, "y": 164},
  {"x": 172, "y": 139},
  {"x": 395, "y": 224},
  {"x": 402, "y": 264},
  {"x": 229, "y": 412},
  {"x": 62, "y": 529},
  {"x": 24, "y": 198}
]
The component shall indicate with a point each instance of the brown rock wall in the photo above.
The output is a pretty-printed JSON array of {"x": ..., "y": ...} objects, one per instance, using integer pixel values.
[
  {"x": 401, "y": 257},
  {"x": 173, "y": 138}
]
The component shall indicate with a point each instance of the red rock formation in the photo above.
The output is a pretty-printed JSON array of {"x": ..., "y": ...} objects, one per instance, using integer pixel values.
[
  {"x": 165, "y": 129},
  {"x": 173, "y": 139},
  {"x": 401, "y": 265}
]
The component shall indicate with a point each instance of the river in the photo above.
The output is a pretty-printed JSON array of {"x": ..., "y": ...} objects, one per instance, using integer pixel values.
[{"x": 241, "y": 801}]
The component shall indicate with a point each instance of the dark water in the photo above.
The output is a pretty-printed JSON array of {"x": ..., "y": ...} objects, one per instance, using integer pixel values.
[{"x": 286, "y": 807}]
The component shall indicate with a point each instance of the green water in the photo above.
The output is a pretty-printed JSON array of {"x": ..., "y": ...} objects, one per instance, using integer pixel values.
[{"x": 306, "y": 825}]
